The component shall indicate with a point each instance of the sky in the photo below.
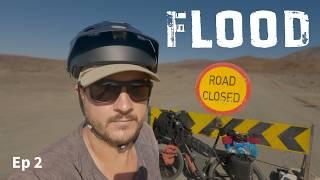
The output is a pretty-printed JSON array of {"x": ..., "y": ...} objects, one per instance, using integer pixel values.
[{"x": 43, "y": 28}]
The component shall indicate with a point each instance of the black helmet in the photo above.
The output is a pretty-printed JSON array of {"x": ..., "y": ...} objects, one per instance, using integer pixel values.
[{"x": 112, "y": 43}]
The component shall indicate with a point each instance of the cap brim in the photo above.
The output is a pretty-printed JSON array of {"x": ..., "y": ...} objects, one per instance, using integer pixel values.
[{"x": 93, "y": 74}]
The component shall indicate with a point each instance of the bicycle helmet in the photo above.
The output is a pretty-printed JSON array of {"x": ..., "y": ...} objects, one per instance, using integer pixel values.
[{"x": 109, "y": 43}]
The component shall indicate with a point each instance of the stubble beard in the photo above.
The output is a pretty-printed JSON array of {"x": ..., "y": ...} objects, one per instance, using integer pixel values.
[{"x": 122, "y": 135}]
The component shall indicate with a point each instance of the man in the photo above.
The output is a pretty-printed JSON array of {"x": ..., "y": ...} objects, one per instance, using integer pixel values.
[{"x": 114, "y": 64}]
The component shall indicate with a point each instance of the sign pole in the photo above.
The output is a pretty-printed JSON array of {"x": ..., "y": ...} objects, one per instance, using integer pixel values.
[
  {"x": 219, "y": 126},
  {"x": 307, "y": 159}
]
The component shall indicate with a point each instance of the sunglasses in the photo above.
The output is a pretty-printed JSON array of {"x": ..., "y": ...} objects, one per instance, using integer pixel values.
[{"x": 108, "y": 91}]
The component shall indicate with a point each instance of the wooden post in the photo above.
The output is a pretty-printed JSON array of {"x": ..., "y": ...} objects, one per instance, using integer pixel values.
[{"x": 307, "y": 159}]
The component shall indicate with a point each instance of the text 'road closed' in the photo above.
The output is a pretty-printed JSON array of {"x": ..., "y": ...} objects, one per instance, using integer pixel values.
[{"x": 223, "y": 88}]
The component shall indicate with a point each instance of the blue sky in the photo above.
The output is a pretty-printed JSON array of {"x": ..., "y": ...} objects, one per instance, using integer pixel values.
[{"x": 45, "y": 28}]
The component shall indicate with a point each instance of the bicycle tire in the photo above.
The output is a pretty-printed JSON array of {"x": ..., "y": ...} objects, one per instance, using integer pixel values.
[
  {"x": 214, "y": 174},
  {"x": 171, "y": 172},
  {"x": 257, "y": 171}
]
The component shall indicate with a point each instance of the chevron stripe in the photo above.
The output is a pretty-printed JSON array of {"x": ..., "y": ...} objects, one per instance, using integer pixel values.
[
  {"x": 154, "y": 114},
  {"x": 287, "y": 137},
  {"x": 304, "y": 140},
  {"x": 272, "y": 134},
  {"x": 246, "y": 125},
  {"x": 209, "y": 128},
  {"x": 233, "y": 124},
  {"x": 258, "y": 129},
  {"x": 225, "y": 120},
  {"x": 278, "y": 136},
  {"x": 201, "y": 121}
]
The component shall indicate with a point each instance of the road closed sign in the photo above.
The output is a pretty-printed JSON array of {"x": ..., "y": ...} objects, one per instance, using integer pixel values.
[{"x": 223, "y": 88}]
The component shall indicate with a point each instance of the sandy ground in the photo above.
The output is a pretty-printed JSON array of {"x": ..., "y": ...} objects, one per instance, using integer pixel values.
[
  {"x": 289, "y": 98},
  {"x": 39, "y": 106}
]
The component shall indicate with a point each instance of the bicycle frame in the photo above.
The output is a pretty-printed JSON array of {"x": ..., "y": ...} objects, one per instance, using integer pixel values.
[{"x": 171, "y": 130}]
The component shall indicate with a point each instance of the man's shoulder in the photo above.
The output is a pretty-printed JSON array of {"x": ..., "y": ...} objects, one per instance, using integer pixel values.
[
  {"x": 147, "y": 142},
  {"x": 148, "y": 152},
  {"x": 66, "y": 148},
  {"x": 60, "y": 159},
  {"x": 146, "y": 136}
]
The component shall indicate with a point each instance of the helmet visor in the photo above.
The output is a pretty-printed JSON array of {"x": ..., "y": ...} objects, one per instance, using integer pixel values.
[{"x": 113, "y": 47}]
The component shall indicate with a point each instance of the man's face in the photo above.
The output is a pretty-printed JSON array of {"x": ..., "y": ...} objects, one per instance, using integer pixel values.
[{"x": 120, "y": 121}]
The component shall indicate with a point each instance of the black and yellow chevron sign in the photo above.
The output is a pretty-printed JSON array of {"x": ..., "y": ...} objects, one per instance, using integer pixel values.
[{"x": 278, "y": 136}]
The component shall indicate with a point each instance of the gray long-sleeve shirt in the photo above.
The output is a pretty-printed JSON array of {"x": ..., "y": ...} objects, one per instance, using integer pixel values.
[{"x": 69, "y": 159}]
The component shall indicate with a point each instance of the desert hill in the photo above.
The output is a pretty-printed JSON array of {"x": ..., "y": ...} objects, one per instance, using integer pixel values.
[{"x": 304, "y": 61}]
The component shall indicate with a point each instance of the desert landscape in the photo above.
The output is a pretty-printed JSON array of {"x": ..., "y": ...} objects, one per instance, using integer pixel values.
[{"x": 39, "y": 106}]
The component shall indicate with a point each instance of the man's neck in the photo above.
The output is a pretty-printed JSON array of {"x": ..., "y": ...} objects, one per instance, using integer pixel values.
[{"x": 109, "y": 159}]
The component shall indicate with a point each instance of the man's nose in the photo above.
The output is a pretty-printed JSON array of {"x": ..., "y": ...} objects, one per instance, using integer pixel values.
[{"x": 123, "y": 104}]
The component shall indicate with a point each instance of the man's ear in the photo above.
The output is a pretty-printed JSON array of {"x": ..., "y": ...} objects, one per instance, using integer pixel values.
[
  {"x": 80, "y": 94},
  {"x": 75, "y": 88},
  {"x": 78, "y": 90}
]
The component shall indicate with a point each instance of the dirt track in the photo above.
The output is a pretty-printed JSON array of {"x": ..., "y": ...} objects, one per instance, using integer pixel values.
[{"x": 39, "y": 107}]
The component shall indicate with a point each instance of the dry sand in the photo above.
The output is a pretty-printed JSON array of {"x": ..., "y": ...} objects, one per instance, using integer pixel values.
[{"x": 38, "y": 104}]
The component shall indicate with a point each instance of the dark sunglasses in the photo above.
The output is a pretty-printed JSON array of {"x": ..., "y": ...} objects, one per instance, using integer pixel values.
[{"x": 108, "y": 91}]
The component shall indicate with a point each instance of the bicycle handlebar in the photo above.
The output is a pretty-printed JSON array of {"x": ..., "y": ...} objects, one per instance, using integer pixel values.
[{"x": 170, "y": 129}]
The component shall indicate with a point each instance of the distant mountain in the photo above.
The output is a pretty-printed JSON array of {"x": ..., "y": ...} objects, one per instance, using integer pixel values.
[
  {"x": 17, "y": 63},
  {"x": 305, "y": 61},
  {"x": 309, "y": 54}
]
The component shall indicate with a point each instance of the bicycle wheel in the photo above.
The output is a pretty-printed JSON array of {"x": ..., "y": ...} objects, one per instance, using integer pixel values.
[
  {"x": 235, "y": 168},
  {"x": 256, "y": 173},
  {"x": 213, "y": 172},
  {"x": 173, "y": 171}
]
